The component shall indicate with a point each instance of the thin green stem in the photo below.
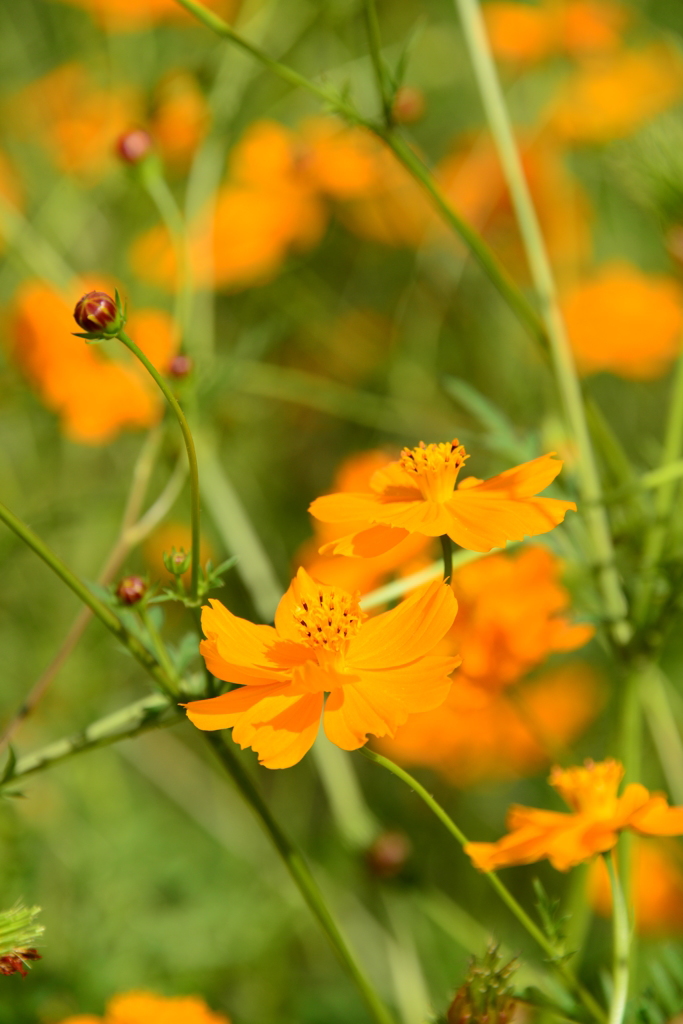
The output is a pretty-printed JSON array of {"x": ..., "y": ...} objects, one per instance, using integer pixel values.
[
  {"x": 191, "y": 455},
  {"x": 447, "y": 548},
  {"x": 621, "y": 945},
  {"x": 531, "y": 927},
  {"x": 655, "y": 538},
  {"x": 160, "y": 650},
  {"x": 97, "y": 607},
  {"x": 301, "y": 874},
  {"x": 474, "y": 29},
  {"x": 412, "y": 163},
  {"x": 375, "y": 45}
]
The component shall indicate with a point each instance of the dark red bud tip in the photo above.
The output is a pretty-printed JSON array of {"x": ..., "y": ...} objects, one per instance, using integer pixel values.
[
  {"x": 409, "y": 105},
  {"x": 96, "y": 311},
  {"x": 14, "y": 963},
  {"x": 180, "y": 366},
  {"x": 134, "y": 146},
  {"x": 388, "y": 854},
  {"x": 131, "y": 590}
]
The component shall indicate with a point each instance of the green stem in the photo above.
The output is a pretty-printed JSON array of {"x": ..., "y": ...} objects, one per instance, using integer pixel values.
[
  {"x": 655, "y": 538},
  {"x": 447, "y": 548},
  {"x": 531, "y": 927},
  {"x": 412, "y": 163},
  {"x": 621, "y": 943},
  {"x": 97, "y": 607},
  {"x": 160, "y": 650},
  {"x": 375, "y": 44},
  {"x": 474, "y": 29},
  {"x": 191, "y": 455},
  {"x": 301, "y": 874}
]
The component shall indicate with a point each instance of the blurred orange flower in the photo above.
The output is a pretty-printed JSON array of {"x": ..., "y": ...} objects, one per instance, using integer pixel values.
[
  {"x": 657, "y": 871},
  {"x": 613, "y": 97},
  {"x": 417, "y": 494},
  {"x": 76, "y": 120},
  {"x": 510, "y": 618},
  {"x": 597, "y": 817},
  {"x": 147, "y": 1008},
  {"x": 523, "y": 33},
  {"x": 181, "y": 118},
  {"x": 134, "y": 15},
  {"x": 95, "y": 394},
  {"x": 363, "y": 574},
  {"x": 376, "y": 672},
  {"x": 626, "y": 322}
]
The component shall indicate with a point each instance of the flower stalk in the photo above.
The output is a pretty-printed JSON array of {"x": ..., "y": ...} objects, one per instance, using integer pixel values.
[{"x": 621, "y": 944}]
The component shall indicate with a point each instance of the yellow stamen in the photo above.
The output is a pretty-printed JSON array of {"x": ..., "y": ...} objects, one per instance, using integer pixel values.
[
  {"x": 328, "y": 619},
  {"x": 435, "y": 467}
]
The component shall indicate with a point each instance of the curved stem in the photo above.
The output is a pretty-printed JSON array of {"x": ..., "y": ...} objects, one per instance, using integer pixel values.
[
  {"x": 447, "y": 548},
  {"x": 520, "y": 913},
  {"x": 191, "y": 454},
  {"x": 474, "y": 29},
  {"x": 621, "y": 943},
  {"x": 300, "y": 872}
]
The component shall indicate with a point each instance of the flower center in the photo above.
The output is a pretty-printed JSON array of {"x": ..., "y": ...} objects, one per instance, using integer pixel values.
[
  {"x": 435, "y": 467},
  {"x": 328, "y": 618},
  {"x": 589, "y": 789}
]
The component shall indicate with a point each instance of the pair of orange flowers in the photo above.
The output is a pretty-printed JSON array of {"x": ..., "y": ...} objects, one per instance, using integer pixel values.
[{"x": 376, "y": 672}]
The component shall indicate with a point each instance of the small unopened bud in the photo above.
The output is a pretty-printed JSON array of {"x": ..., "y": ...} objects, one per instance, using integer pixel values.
[
  {"x": 134, "y": 145},
  {"x": 180, "y": 366},
  {"x": 97, "y": 312},
  {"x": 177, "y": 562},
  {"x": 15, "y": 963},
  {"x": 387, "y": 856},
  {"x": 131, "y": 589},
  {"x": 409, "y": 105}
]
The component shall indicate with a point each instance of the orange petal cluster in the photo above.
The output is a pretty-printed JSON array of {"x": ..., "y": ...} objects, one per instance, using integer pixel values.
[
  {"x": 524, "y": 33},
  {"x": 363, "y": 574},
  {"x": 75, "y": 119},
  {"x": 593, "y": 825},
  {"x": 657, "y": 887},
  {"x": 511, "y": 616},
  {"x": 277, "y": 201},
  {"x": 147, "y": 1008},
  {"x": 96, "y": 390},
  {"x": 611, "y": 98},
  {"x": 180, "y": 119},
  {"x": 417, "y": 494},
  {"x": 375, "y": 672},
  {"x": 624, "y": 321},
  {"x": 134, "y": 15}
]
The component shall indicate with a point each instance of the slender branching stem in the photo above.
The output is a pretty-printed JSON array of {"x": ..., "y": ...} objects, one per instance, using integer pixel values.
[
  {"x": 375, "y": 46},
  {"x": 621, "y": 944},
  {"x": 520, "y": 913},
  {"x": 616, "y": 608},
  {"x": 191, "y": 455}
]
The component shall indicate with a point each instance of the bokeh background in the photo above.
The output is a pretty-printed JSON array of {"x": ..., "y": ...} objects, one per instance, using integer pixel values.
[{"x": 329, "y": 315}]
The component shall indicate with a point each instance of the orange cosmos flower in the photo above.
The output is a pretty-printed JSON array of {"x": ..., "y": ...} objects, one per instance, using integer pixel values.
[
  {"x": 657, "y": 888},
  {"x": 134, "y": 15},
  {"x": 95, "y": 393},
  {"x": 147, "y": 1008},
  {"x": 612, "y": 98},
  {"x": 417, "y": 494},
  {"x": 376, "y": 672},
  {"x": 519, "y": 32},
  {"x": 364, "y": 574},
  {"x": 626, "y": 322},
  {"x": 597, "y": 817},
  {"x": 181, "y": 118}
]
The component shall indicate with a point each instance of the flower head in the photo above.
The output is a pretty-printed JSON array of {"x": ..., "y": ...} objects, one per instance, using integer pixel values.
[
  {"x": 597, "y": 817},
  {"x": 418, "y": 494},
  {"x": 375, "y": 671},
  {"x": 148, "y": 1008},
  {"x": 97, "y": 312},
  {"x": 131, "y": 590}
]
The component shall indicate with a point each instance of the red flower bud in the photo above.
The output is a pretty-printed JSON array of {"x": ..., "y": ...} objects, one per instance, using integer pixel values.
[
  {"x": 96, "y": 311},
  {"x": 131, "y": 590},
  {"x": 388, "y": 854},
  {"x": 180, "y": 366},
  {"x": 409, "y": 105},
  {"x": 134, "y": 145},
  {"x": 15, "y": 963}
]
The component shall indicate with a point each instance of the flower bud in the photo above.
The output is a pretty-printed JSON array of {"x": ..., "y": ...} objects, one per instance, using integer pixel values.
[
  {"x": 388, "y": 854},
  {"x": 177, "y": 562},
  {"x": 133, "y": 146},
  {"x": 97, "y": 313},
  {"x": 409, "y": 105},
  {"x": 131, "y": 589},
  {"x": 15, "y": 963},
  {"x": 180, "y": 366}
]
